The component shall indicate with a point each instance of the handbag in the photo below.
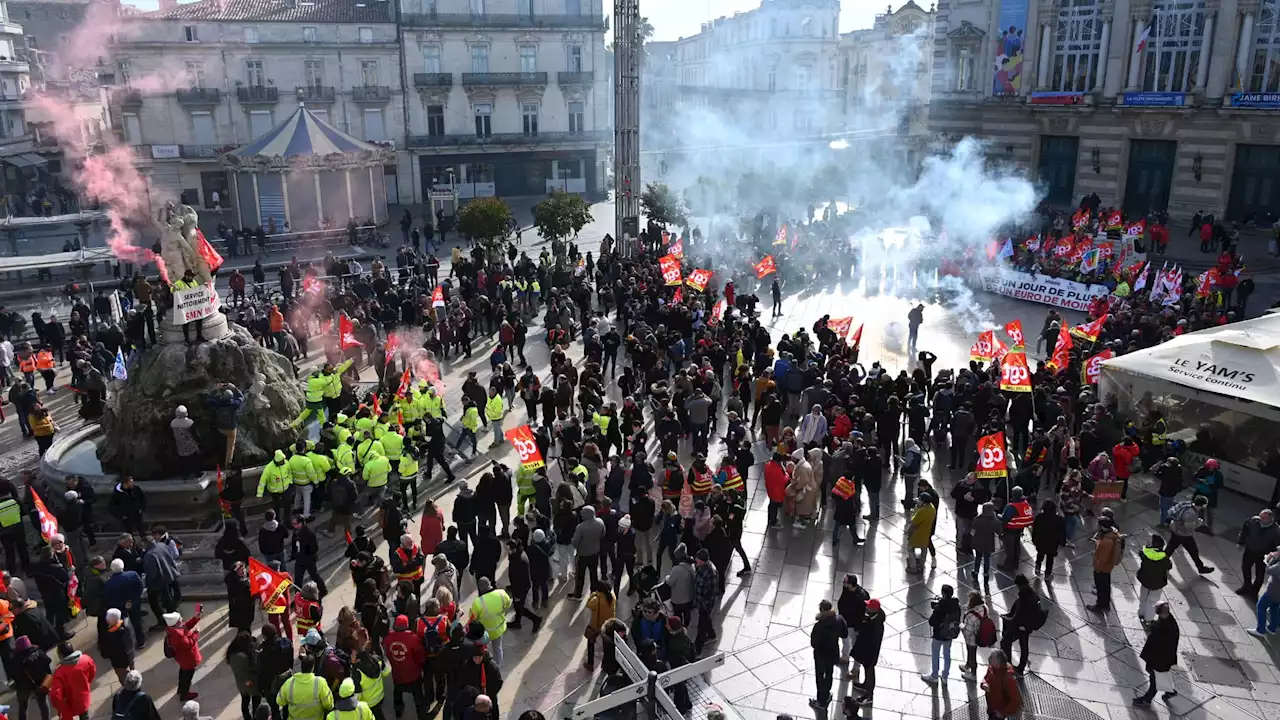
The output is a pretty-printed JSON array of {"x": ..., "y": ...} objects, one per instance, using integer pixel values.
[{"x": 590, "y": 633}]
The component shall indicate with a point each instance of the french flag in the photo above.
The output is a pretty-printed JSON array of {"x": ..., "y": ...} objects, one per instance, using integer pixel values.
[{"x": 1140, "y": 45}]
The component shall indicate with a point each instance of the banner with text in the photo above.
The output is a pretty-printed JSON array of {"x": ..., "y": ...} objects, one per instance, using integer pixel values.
[
  {"x": 197, "y": 303},
  {"x": 1040, "y": 288}
]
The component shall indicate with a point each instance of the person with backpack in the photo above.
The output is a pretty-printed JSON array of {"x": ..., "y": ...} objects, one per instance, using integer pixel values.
[
  {"x": 131, "y": 702},
  {"x": 945, "y": 621},
  {"x": 1153, "y": 575},
  {"x": 433, "y": 628},
  {"x": 978, "y": 630},
  {"x": 1108, "y": 552},
  {"x": 1025, "y": 617},
  {"x": 1184, "y": 518},
  {"x": 1160, "y": 652},
  {"x": 1003, "y": 696},
  {"x": 1047, "y": 535},
  {"x": 32, "y": 670},
  {"x": 825, "y": 638}
]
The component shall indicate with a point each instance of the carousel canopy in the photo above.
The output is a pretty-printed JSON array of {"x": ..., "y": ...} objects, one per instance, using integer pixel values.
[{"x": 303, "y": 134}]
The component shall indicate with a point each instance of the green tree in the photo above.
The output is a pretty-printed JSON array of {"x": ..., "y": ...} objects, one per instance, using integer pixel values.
[
  {"x": 562, "y": 214},
  {"x": 663, "y": 206},
  {"x": 485, "y": 220}
]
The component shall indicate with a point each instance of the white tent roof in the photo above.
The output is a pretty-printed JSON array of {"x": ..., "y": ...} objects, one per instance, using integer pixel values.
[{"x": 1240, "y": 360}]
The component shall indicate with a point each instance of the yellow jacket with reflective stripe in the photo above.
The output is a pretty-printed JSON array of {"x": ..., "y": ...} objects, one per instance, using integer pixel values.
[
  {"x": 366, "y": 450},
  {"x": 305, "y": 696},
  {"x": 408, "y": 467},
  {"x": 392, "y": 445},
  {"x": 376, "y": 471},
  {"x": 321, "y": 463},
  {"x": 491, "y": 610},
  {"x": 316, "y": 385},
  {"x": 333, "y": 386},
  {"x": 275, "y": 478},
  {"x": 471, "y": 418},
  {"x": 302, "y": 471},
  {"x": 345, "y": 458},
  {"x": 494, "y": 408}
]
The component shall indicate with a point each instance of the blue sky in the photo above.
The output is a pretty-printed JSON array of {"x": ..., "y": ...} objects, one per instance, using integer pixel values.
[{"x": 673, "y": 19}]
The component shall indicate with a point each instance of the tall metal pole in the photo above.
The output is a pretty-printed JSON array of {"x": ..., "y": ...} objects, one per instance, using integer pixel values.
[{"x": 626, "y": 122}]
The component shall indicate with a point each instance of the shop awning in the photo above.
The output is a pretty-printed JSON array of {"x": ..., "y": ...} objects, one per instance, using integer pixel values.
[{"x": 25, "y": 160}]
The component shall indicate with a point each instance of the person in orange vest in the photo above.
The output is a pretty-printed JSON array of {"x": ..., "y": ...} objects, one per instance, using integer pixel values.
[
  {"x": 700, "y": 477},
  {"x": 276, "y": 324},
  {"x": 1017, "y": 516},
  {"x": 407, "y": 562},
  {"x": 27, "y": 363},
  {"x": 45, "y": 364},
  {"x": 306, "y": 605},
  {"x": 280, "y": 611}
]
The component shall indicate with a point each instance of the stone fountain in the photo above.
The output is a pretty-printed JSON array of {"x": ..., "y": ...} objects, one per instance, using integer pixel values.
[{"x": 135, "y": 438}]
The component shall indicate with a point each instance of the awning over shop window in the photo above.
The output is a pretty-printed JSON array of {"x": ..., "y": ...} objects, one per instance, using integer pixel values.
[{"x": 25, "y": 160}]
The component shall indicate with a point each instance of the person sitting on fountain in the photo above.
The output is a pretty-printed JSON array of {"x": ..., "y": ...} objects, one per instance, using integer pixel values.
[{"x": 188, "y": 281}]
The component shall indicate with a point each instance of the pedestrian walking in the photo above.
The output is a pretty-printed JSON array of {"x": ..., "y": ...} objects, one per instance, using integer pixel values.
[
  {"x": 1108, "y": 552},
  {"x": 1153, "y": 575},
  {"x": 866, "y": 652},
  {"x": 1184, "y": 519},
  {"x": 945, "y": 623},
  {"x": 1160, "y": 654},
  {"x": 979, "y": 631},
  {"x": 1004, "y": 697},
  {"x": 1025, "y": 617},
  {"x": 1258, "y": 537},
  {"x": 829, "y": 630},
  {"x": 601, "y": 606},
  {"x": 1268, "y": 608}
]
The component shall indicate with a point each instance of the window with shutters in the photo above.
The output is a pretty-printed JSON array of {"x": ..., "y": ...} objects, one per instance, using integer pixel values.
[
  {"x": 313, "y": 71},
  {"x": 577, "y": 113},
  {"x": 528, "y": 58},
  {"x": 255, "y": 73},
  {"x": 259, "y": 123},
  {"x": 203, "y": 129},
  {"x": 374, "y": 128},
  {"x": 195, "y": 74},
  {"x": 435, "y": 120}
]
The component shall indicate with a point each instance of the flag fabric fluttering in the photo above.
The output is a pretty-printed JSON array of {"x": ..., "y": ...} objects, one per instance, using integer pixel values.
[
  {"x": 406, "y": 382},
  {"x": 1006, "y": 251},
  {"x": 347, "y": 333},
  {"x": 1089, "y": 262},
  {"x": 781, "y": 238},
  {"x": 1061, "y": 350},
  {"x": 118, "y": 370}
]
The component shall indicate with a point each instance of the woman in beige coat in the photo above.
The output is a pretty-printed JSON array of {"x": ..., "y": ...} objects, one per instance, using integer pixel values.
[{"x": 803, "y": 489}]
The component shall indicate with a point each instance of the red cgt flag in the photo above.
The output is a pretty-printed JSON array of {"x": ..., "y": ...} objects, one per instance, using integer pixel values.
[
  {"x": 264, "y": 583},
  {"x": 840, "y": 326},
  {"x": 856, "y": 339},
  {"x": 766, "y": 266},
  {"x": 1061, "y": 350},
  {"x": 437, "y": 297},
  {"x": 992, "y": 460},
  {"x": 678, "y": 297},
  {"x": 1090, "y": 331},
  {"x": 1015, "y": 376},
  {"x": 406, "y": 380},
  {"x": 347, "y": 333},
  {"x": 1014, "y": 330},
  {"x": 207, "y": 252},
  {"x": 393, "y": 344}
]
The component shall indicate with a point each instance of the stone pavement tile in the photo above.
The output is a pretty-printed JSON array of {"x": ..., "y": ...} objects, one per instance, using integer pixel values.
[
  {"x": 789, "y": 609},
  {"x": 1052, "y": 667},
  {"x": 781, "y": 701},
  {"x": 792, "y": 641},
  {"x": 758, "y": 655},
  {"x": 754, "y": 701},
  {"x": 774, "y": 671},
  {"x": 1266, "y": 691},
  {"x": 731, "y": 668},
  {"x": 1227, "y": 709},
  {"x": 762, "y": 591},
  {"x": 741, "y": 686}
]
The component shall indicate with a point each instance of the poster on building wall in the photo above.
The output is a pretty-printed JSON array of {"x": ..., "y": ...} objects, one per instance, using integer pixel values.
[{"x": 1009, "y": 50}]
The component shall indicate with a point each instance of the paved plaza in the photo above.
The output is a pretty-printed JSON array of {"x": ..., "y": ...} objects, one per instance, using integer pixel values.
[{"x": 1083, "y": 665}]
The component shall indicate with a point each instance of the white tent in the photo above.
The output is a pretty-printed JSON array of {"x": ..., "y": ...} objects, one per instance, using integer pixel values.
[{"x": 1223, "y": 383}]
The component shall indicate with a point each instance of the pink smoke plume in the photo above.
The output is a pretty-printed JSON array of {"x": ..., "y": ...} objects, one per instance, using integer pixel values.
[{"x": 108, "y": 174}]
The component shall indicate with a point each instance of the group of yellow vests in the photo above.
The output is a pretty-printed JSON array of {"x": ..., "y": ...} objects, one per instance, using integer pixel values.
[{"x": 378, "y": 446}]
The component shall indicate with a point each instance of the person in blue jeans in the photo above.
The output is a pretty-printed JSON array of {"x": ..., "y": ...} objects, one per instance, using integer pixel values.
[
  {"x": 945, "y": 621},
  {"x": 1170, "y": 473},
  {"x": 1269, "y": 600}
]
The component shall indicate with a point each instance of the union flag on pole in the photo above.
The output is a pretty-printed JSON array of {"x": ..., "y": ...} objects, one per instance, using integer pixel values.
[
  {"x": 670, "y": 266},
  {"x": 266, "y": 584},
  {"x": 437, "y": 297},
  {"x": 678, "y": 297},
  {"x": 347, "y": 333},
  {"x": 1090, "y": 331},
  {"x": 206, "y": 252},
  {"x": 856, "y": 339},
  {"x": 1061, "y": 350},
  {"x": 1015, "y": 376},
  {"x": 698, "y": 279},
  {"x": 781, "y": 238},
  {"x": 406, "y": 382},
  {"x": 766, "y": 266},
  {"x": 677, "y": 248},
  {"x": 48, "y": 523},
  {"x": 1014, "y": 330},
  {"x": 393, "y": 344},
  {"x": 840, "y": 326},
  {"x": 992, "y": 461},
  {"x": 1092, "y": 369},
  {"x": 717, "y": 312},
  {"x": 983, "y": 349}
]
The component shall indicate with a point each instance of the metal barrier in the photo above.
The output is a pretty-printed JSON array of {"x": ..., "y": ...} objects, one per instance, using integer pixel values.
[
  {"x": 287, "y": 242},
  {"x": 647, "y": 685}
]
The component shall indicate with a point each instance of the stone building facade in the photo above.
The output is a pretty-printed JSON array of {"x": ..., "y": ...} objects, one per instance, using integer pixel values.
[{"x": 1152, "y": 104}]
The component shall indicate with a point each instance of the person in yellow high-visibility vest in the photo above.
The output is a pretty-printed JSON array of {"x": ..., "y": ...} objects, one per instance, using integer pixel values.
[
  {"x": 348, "y": 706},
  {"x": 392, "y": 445},
  {"x": 376, "y": 471},
  {"x": 333, "y": 385},
  {"x": 470, "y": 428},
  {"x": 494, "y": 410},
  {"x": 304, "y": 476},
  {"x": 275, "y": 480},
  {"x": 407, "y": 469},
  {"x": 305, "y": 696},
  {"x": 317, "y": 382},
  {"x": 525, "y": 491},
  {"x": 433, "y": 404},
  {"x": 367, "y": 449},
  {"x": 188, "y": 282},
  {"x": 344, "y": 457},
  {"x": 490, "y": 610}
]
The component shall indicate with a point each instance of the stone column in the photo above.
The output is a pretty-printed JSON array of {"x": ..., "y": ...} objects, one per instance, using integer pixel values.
[
  {"x": 1243, "y": 49},
  {"x": 1036, "y": 47},
  {"x": 1206, "y": 50},
  {"x": 1135, "y": 59},
  {"x": 1045, "y": 51},
  {"x": 1102, "y": 59},
  {"x": 1118, "y": 55},
  {"x": 1223, "y": 50}
]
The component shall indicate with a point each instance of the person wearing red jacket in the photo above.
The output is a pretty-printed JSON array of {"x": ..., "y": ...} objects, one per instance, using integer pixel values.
[
  {"x": 842, "y": 426},
  {"x": 183, "y": 640},
  {"x": 408, "y": 657},
  {"x": 431, "y": 533},
  {"x": 775, "y": 485},
  {"x": 69, "y": 689},
  {"x": 1124, "y": 453}
]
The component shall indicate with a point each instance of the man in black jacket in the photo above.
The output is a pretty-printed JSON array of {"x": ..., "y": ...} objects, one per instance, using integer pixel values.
[
  {"x": 521, "y": 583},
  {"x": 969, "y": 496},
  {"x": 128, "y": 504},
  {"x": 825, "y": 638},
  {"x": 304, "y": 551},
  {"x": 1160, "y": 652}
]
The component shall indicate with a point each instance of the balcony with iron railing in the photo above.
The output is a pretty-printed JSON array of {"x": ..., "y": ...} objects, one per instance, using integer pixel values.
[
  {"x": 504, "y": 79},
  {"x": 125, "y": 97},
  {"x": 315, "y": 94},
  {"x": 578, "y": 77},
  {"x": 371, "y": 94},
  {"x": 433, "y": 80},
  {"x": 468, "y": 20},
  {"x": 258, "y": 94},
  {"x": 542, "y": 138},
  {"x": 199, "y": 96}
]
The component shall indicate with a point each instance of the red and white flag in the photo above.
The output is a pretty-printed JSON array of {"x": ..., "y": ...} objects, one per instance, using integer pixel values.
[
  {"x": 347, "y": 333},
  {"x": 437, "y": 296}
]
